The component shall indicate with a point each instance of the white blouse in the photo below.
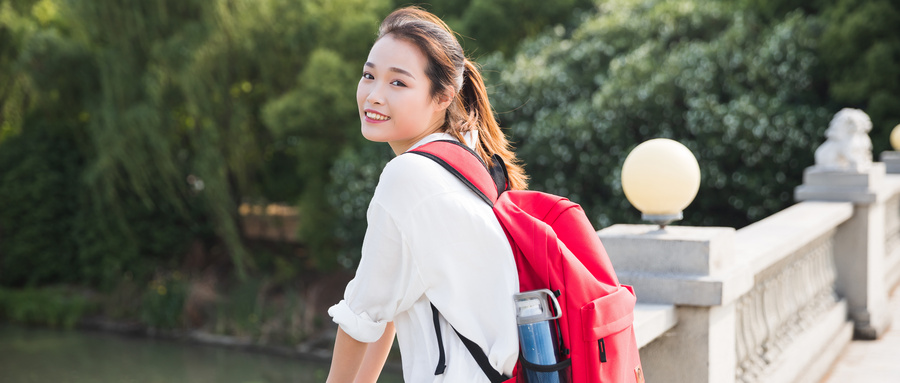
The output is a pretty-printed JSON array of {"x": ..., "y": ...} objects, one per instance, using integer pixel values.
[{"x": 432, "y": 240}]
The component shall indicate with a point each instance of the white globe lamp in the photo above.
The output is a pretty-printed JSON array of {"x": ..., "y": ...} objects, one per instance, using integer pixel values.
[
  {"x": 660, "y": 178},
  {"x": 895, "y": 138}
]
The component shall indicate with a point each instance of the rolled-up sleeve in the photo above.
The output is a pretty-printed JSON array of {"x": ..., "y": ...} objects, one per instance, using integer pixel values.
[
  {"x": 359, "y": 326},
  {"x": 387, "y": 281}
]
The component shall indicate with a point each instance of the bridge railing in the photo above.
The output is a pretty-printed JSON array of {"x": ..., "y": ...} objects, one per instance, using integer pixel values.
[{"x": 775, "y": 301}]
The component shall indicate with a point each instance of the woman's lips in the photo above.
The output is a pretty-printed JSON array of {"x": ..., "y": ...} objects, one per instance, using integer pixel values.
[{"x": 373, "y": 116}]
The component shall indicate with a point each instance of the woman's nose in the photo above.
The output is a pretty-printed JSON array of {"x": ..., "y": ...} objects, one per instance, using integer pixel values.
[{"x": 375, "y": 97}]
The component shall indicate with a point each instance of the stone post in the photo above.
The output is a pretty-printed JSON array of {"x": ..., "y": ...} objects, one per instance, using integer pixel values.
[
  {"x": 859, "y": 243},
  {"x": 844, "y": 172},
  {"x": 691, "y": 267},
  {"x": 891, "y": 160}
]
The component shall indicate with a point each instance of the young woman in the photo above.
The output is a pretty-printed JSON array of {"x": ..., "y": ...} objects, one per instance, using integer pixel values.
[{"x": 430, "y": 240}]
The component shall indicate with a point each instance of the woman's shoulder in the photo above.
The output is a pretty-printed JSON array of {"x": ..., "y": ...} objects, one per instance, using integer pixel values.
[
  {"x": 408, "y": 170},
  {"x": 411, "y": 167},
  {"x": 409, "y": 179}
]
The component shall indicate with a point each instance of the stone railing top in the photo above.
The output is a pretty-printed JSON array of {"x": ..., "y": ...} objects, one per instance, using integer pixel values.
[
  {"x": 651, "y": 321},
  {"x": 770, "y": 240},
  {"x": 680, "y": 265},
  {"x": 691, "y": 250},
  {"x": 873, "y": 186},
  {"x": 711, "y": 266}
]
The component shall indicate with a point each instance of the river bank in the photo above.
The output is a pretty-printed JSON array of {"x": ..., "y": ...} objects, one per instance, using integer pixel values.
[
  {"x": 40, "y": 354},
  {"x": 285, "y": 319}
]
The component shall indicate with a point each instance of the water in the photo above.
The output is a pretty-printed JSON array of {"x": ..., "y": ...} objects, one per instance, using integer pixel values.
[{"x": 36, "y": 355}]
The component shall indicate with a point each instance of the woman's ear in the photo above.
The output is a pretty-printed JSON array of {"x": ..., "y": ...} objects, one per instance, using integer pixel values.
[{"x": 445, "y": 98}]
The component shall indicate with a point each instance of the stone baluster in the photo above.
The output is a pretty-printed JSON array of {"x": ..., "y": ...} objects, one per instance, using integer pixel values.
[
  {"x": 844, "y": 172},
  {"x": 891, "y": 161}
]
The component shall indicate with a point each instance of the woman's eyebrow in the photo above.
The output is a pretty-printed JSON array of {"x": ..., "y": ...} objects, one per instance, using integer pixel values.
[{"x": 393, "y": 69}]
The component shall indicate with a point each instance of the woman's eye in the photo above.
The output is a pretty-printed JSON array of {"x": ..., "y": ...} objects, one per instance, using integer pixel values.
[
  {"x": 398, "y": 83},
  {"x": 368, "y": 76}
]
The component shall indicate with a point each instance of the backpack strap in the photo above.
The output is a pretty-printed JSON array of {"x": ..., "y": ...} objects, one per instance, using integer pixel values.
[
  {"x": 441, "y": 364},
  {"x": 468, "y": 167},
  {"x": 487, "y": 183},
  {"x": 500, "y": 174},
  {"x": 477, "y": 353}
]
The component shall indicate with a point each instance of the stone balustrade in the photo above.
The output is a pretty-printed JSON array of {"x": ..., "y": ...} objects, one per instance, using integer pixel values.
[
  {"x": 792, "y": 314},
  {"x": 892, "y": 232},
  {"x": 775, "y": 301}
]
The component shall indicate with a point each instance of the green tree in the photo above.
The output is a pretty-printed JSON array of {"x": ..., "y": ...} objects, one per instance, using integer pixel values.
[
  {"x": 860, "y": 55},
  {"x": 860, "y": 50},
  {"x": 486, "y": 26},
  {"x": 177, "y": 111},
  {"x": 40, "y": 199},
  {"x": 734, "y": 90}
]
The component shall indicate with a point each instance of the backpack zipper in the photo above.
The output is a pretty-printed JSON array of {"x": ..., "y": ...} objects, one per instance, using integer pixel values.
[{"x": 602, "y": 347}]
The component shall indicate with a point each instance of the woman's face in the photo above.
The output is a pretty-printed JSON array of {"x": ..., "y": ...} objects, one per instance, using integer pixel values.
[{"x": 394, "y": 95}]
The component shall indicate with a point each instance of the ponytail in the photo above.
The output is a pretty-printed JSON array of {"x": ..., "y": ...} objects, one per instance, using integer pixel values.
[{"x": 475, "y": 110}]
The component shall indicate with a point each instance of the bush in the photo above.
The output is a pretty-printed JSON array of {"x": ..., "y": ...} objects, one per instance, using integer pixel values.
[
  {"x": 860, "y": 55},
  {"x": 52, "y": 306},
  {"x": 354, "y": 176},
  {"x": 39, "y": 183},
  {"x": 860, "y": 51},
  {"x": 53, "y": 229},
  {"x": 162, "y": 304},
  {"x": 735, "y": 91}
]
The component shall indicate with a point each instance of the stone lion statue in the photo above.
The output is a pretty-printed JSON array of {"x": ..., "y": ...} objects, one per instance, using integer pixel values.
[{"x": 847, "y": 146}]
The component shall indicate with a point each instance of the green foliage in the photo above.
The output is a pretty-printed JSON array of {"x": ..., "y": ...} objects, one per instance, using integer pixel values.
[
  {"x": 244, "y": 100},
  {"x": 774, "y": 10},
  {"x": 499, "y": 25},
  {"x": 17, "y": 94},
  {"x": 735, "y": 91},
  {"x": 860, "y": 55},
  {"x": 51, "y": 306},
  {"x": 39, "y": 190},
  {"x": 157, "y": 238},
  {"x": 860, "y": 50},
  {"x": 355, "y": 175},
  {"x": 315, "y": 135},
  {"x": 123, "y": 301},
  {"x": 128, "y": 131},
  {"x": 163, "y": 301},
  {"x": 49, "y": 230},
  {"x": 242, "y": 310}
]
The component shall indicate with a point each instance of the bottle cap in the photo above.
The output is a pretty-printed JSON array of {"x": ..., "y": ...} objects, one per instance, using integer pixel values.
[
  {"x": 533, "y": 306},
  {"x": 529, "y": 307}
]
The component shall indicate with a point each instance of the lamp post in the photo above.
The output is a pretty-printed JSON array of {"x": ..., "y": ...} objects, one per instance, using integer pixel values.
[{"x": 660, "y": 178}]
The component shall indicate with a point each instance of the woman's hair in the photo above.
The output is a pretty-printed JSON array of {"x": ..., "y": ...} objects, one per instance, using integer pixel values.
[{"x": 448, "y": 68}]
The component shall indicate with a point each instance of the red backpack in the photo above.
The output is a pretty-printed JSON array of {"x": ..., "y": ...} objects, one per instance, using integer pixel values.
[{"x": 555, "y": 248}]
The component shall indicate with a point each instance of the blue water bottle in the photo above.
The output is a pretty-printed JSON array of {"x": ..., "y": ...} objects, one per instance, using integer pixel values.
[{"x": 535, "y": 338}]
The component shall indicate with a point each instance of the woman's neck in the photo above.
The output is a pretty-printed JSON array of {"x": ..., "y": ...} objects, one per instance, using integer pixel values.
[{"x": 400, "y": 147}]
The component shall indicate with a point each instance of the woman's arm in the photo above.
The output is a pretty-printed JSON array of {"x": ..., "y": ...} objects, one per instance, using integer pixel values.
[
  {"x": 347, "y": 358},
  {"x": 358, "y": 362},
  {"x": 376, "y": 354}
]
